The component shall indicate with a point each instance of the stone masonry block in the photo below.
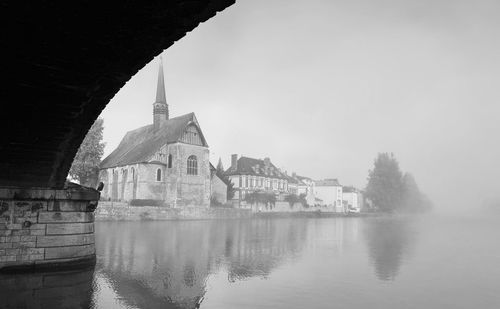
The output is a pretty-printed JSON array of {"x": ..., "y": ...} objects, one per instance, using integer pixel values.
[
  {"x": 35, "y": 251},
  {"x": 59, "y": 217},
  {"x": 13, "y": 239},
  {"x": 27, "y": 244},
  {"x": 28, "y": 238},
  {"x": 35, "y": 257},
  {"x": 5, "y": 245},
  {"x": 37, "y": 232},
  {"x": 8, "y": 258},
  {"x": 70, "y": 228},
  {"x": 65, "y": 240},
  {"x": 20, "y": 232},
  {"x": 11, "y": 251},
  {"x": 68, "y": 205},
  {"x": 38, "y": 227},
  {"x": 5, "y": 232}
]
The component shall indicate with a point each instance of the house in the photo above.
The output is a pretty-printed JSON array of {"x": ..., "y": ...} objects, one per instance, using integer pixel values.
[
  {"x": 352, "y": 198},
  {"x": 166, "y": 161},
  {"x": 252, "y": 175},
  {"x": 293, "y": 185},
  {"x": 305, "y": 187},
  {"x": 330, "y": 192},
  {"x": 218, "y": 188}
]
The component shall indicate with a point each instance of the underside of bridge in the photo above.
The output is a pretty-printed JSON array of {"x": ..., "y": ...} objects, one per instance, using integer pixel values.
[{"x": 64, "y": 61}]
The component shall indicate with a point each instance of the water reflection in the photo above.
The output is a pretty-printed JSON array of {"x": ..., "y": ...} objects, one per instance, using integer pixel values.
[
  {"x": 69, "y": 289},
  {"x": 186, "y": 264},
  {"x": 167, "y": 263},
  {"x": 390, "y": 242}
]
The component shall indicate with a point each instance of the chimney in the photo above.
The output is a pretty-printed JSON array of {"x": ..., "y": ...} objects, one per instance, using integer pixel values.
[
  {"x": 267, "y": 162},
  {"x": 234, "y": 161}
]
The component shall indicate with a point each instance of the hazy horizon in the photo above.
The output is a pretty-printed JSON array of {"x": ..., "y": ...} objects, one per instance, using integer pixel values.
[{"x": 321, "y": 87}]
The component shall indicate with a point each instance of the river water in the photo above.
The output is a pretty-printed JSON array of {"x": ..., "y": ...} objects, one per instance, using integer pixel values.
[{"x": 426, "y": 261}]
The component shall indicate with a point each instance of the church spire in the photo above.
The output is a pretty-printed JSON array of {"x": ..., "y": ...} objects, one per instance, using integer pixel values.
[{"x": 160, "y": 106}]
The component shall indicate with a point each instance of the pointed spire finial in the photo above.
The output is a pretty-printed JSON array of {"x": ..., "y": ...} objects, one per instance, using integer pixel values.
[
  {"x": 160, "y": 89},
  {"x": 160, "y": 106}
]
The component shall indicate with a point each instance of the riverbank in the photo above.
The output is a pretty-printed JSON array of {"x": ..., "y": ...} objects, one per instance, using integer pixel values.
[{"x": 107, "y": 211}]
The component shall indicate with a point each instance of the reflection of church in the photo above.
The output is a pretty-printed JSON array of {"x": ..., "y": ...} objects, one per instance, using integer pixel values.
[
  {"x": 167, "y": 266},
  {"x": 167, "y": 161}
]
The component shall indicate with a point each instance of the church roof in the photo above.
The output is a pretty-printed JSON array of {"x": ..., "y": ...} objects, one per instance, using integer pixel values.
[
  {"x": 256, "y": 167},
  {"x": 140, "y": 144}
]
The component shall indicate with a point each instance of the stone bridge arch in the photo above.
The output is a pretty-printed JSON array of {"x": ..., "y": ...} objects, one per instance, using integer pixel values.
[{"x": 64, "y": 62}]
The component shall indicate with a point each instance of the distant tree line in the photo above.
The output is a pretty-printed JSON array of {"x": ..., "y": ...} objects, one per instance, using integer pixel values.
[{"x": 390, "y": 190}]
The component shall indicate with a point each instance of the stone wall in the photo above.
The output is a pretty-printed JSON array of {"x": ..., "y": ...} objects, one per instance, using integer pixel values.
[
  {"x": 123, "y": 212},
  {"x": 42, "y": 227}
]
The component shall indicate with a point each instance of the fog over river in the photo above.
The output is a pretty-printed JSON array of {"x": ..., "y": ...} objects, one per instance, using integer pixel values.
[{"x": 428, "y": 261}]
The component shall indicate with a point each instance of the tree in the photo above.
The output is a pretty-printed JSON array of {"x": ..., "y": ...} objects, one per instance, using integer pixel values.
[
  {"x": 85, "y": 166},
  {"x": 413, "y": 199},
  {"x": 292, "y": 199},
  {"x": 390, "y": 190},
  {"x": 258, "y": 197},
  {"x": 385, "y": 185}
]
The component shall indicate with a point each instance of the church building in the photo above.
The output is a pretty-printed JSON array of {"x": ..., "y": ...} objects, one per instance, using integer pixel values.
[{"x": 167, "y": 161}]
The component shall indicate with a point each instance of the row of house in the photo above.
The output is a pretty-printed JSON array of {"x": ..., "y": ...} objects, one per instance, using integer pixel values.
[{"x": 250, "y": 175}]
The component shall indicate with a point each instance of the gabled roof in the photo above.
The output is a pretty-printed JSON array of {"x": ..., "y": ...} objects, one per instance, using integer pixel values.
[
  {"x": 140, "y": 144},
  {"x": 302, "y": 178},
  {"x": 349, "y": 189},
  {"x": 327, "y": 183},
  {"x": 255, "y": 167}
]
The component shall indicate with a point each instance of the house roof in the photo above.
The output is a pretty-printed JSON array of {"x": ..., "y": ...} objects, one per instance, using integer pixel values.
[
  {"x": 256, "y": 167},
  {"x": 292, "y": 180},
  {"x": 302, "y": 177},
  {"x": 349, "y": 189},
  {"x": 333, "y": 182},
  {"x": 140, "y": 144}
]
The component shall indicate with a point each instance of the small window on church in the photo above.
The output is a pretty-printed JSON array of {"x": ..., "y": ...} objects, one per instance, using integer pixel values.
[
  {"x": 158, "y": 175},
  {"x": 192, "y": 165},
  {"x": 169, "y": 161}
]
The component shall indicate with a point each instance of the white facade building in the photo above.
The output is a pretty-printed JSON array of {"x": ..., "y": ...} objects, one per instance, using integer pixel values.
[
  {"x": 329, "y": 191},
  {"x": 352, "y": 199}
]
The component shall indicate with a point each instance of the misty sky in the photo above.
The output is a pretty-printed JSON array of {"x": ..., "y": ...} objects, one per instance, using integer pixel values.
[{"x": 321, "y": 87}]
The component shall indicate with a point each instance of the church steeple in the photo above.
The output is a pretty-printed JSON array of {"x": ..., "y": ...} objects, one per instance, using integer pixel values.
[{"x": 160, "y": 106}]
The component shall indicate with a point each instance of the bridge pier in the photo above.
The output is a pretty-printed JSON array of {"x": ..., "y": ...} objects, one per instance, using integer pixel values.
[{"x": 44, "y": 228}]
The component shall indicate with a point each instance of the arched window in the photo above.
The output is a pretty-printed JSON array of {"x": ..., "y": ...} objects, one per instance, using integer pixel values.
[
  {"x": 192, "y": 165},
  {"x": 133, "y": 173},
  {"x": 169, "y": 161},
  {"x": 158, "y": 175}
]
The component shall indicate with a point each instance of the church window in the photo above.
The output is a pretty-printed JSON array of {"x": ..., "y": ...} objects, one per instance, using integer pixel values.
[
  {"x": 158, "y": 175},
  {"x": 169, "y": 161},
  {"x": 192, "y": 165}
]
